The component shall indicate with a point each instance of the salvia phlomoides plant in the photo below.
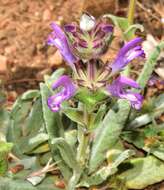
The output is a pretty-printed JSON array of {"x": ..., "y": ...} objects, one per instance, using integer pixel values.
[
  {"x": 90, "y": 86},
  {"x": 78, "y": 121}
]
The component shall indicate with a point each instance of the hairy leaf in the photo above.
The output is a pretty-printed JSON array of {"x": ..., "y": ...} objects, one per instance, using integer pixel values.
[
  {"x": 138, "y": 173},
  {"x": 54, "y": 129},
  {"x": 108, "y": 133}
]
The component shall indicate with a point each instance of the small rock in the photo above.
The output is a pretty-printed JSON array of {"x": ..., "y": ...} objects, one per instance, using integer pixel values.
[
  {"x": 160, "y": 72},
  {"x": 10, "y": 50},
  {"x": 46, "y": 15},
  {"x": 3, "y": 63},
  {"x": 60, "y": 184},
  {"x": 16, "y": 168}
]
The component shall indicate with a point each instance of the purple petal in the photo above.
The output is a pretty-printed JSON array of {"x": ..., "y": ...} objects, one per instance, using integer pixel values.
[
  {"x": 118, "y": 89},
  {"x": 57, "y": 38},
  {"x": 67, "y": 91},
  {"x": 138, "y": 103},
  {"x": 127, "y": 53},
  {"x": 125, "y": 81},
  {"x": 70, "y": 28},
  {"x": 54, "y": 102},
  {"x": 130, "y": 45},
  {"x": 107, "y": 28}
]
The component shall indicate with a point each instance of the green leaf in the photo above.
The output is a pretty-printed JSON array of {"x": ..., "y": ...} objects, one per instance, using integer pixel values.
[
  {"x": 42, "y": 148},
  {"x": 129, "y": 33},
  {"x": 99, "y": 177},
  {"x": 120, "y": 22},
  {"x": 54, "y": 129},
  {"x": 34, "y": 121},
  {"x": 71, "y": 137},
  {"x": 18, "y": 184},
  {"x": 18, "y": 117},
  {"x": 69, "y": 156},
  {"x": 52, "y": 120},
  {"x": 67, "y": 152},
  {"x": 142, "y": 172},
  {"x": 30, "y": 94},
  {"x": 113, "y": 153},
  {"x": 74, "y": 114},
  {"x": 27, "y": 144},
  {"x": 108, "y": 133},
  {"x": 97, "y": 118},
  {"x": 26, "y": 122},
  {"x": 150, "y": 65},
  {"x": 128, "y": 30},
  {"x": 102, "y": 174},
  {"x": 5, "y": 148},
  {"x": 90, "y": 99}
]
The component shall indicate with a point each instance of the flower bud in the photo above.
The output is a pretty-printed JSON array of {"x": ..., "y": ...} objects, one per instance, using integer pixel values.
[{"x": 91, "y": 39}]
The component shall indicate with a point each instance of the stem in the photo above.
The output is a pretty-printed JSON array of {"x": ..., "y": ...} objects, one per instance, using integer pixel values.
[
  {"x": 91, "y": 70},
  {"x": 82, "y": 149},
  {"x": 130, "y": 16},
  {"x": 131, "y": 11},
  {"x": 83, "y": 138}
]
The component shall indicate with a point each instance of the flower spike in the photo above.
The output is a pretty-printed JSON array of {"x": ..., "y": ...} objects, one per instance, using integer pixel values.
[
  {"x": 68, "y": 90},
  {"x": 57, "y": 38},
  {"x": 118, "y": 89},
  {"x": 127, "y": 53}
]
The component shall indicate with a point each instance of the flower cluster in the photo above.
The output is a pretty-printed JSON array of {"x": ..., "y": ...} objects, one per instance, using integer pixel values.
[{"x": 81, "y": 47}]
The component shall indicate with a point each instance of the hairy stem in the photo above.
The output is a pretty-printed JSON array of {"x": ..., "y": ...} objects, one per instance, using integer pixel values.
[
  {"x": 82, "y": 149},
  {"x": 131, "y": 11}
]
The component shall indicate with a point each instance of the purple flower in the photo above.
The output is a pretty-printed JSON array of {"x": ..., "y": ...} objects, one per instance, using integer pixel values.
[
  {"x": 57, "y": 38},
  {"x": 67, "y": 91},
  {"x": 119, "y": 89},
  {"x": 127, "y": 53}
]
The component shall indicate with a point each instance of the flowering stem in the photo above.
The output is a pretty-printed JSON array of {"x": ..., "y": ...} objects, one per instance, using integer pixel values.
[
  {"x": 130, "y": 16},
  {"x": 131, "y": 11}
]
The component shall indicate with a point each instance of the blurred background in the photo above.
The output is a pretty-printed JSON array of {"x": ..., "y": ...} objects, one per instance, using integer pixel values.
[{"x": 24, "y": 26}]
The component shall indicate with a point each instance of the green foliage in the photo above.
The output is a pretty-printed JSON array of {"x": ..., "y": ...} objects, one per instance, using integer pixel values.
[
  {"x": 26, "y": 129},
  {"x": 5, "y": 148},
  {"x": 54, "y": 129},
  {"x": 19, "y": 184},
  {"x": 102, "y": 174},
  {"x": 107, "y": 134},
  {"x": 90, "y": 99},
  {"x": 138, "y": 173},
  {"x": 150, "y": 65},
  {"x": 127, "y": 30}
]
